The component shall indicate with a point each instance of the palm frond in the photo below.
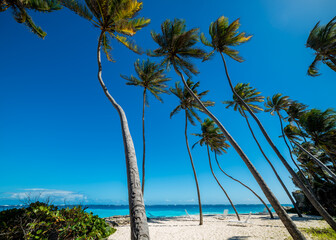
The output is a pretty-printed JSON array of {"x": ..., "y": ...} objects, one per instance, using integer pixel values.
[{"x": 127, "y": 43}]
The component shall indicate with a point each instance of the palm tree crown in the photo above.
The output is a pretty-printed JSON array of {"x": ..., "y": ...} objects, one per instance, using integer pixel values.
[
  {"x": 187, "y": 101},
  {"x": 295, "y": 111},
  {"x": 322, "y": 39},
  {"x": 20, "y": 14},
  {"x": 277, "y": 103},
  {"x": 115, "y": 19},
  {"x": 151, "y": 77},
  {"x": 177, "y": 46},
  {"x": 212, "y": 137},
  {"x": 320, "y": 126},
  {"x": 224, "y": 36},
  {"x": 250, "y": 96}
]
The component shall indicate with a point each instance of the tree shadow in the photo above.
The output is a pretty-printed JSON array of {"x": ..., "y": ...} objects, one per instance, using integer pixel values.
[{"x": 238, "y": 237}]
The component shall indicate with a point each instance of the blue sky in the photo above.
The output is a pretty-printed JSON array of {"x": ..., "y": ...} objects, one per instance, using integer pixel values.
[{"x": 59, "y": 134}]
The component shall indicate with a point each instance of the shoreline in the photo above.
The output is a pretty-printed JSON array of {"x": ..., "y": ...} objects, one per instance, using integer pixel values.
[{"x": 215, "y": 228}]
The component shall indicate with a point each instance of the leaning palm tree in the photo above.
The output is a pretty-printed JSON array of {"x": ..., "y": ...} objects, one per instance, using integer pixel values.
[
  {"x": 278, "y": 103},
  {"x": 115, "y": 20},
  {"x": 210, "y": 136},
  {"x": 294, "y": 136},
  {"x": 274, "y": 105},
  {"x": 189, "y": 106},
  {"x": 177, "y": 47},
  {"x": 322, "y": 39},
  {"x": 251, "y": 97},
  {"x": 244, "y": 185},
  {"x": 20, "y": 14},
  {"x": 294, "y": 111},
  {"x": 224, "y": 36},
  {"x": 152, "y": 79}
]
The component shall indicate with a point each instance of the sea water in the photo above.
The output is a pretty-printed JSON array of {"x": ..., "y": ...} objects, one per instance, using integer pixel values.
[
  {"x": 176, "y": 210},
  {"x": 165, "y": 210}
]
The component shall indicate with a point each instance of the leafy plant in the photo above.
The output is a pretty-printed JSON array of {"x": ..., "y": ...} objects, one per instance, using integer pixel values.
[{"x": 42, "y": 221}]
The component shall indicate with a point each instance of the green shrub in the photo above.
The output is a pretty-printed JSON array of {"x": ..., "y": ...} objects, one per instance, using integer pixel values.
[{"x": 42, "y": 221}]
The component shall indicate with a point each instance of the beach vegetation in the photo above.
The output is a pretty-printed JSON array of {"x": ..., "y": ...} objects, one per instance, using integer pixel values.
[
  {"x": 44, "y": 221},
  {"x": 321, "y": 233}
]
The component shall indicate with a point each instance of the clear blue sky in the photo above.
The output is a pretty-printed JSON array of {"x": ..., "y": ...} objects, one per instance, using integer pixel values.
[{"x": 59, "y": 133}]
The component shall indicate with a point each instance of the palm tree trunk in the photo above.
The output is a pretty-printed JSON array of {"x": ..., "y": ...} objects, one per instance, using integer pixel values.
[
  {"x": 213, "y": 174},
  {"x": 139, "y": 225},
  {"x": 234, "y": 179},
  {"x": 144, "y": 142},
  {"x": 273, "y": 168},
  {"x": 318, "y": 162},
  {"x": 299, "y": 183},
  {"x": 287, "y": 221},
  {"x": 193, "y": 167},
  {"x": 291, "y": 155}
]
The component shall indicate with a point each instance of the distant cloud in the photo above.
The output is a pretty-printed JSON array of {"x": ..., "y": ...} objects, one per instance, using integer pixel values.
[{"x": 55, "y": 196}]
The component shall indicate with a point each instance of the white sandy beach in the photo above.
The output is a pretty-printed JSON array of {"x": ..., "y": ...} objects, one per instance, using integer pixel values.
[{"x": 183, "y": 228}]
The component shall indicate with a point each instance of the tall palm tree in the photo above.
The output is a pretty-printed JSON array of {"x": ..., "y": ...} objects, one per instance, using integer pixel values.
[
  {"x": 189, "y": 106},
  {"x": 177, "y": 47},
  {"x": 274, "y": 105},
  {"x": 115, "y": 20},
  {"x": 278, "y": 103},
  {"x": 151, "y": 78},
  {"x": 20, "y": 7},
  {"x": 210, "y": 136},
  {"x": 251, "y": 97},
  {"x": 223, "y": 38},
  {"x": 322, "y": 39}
]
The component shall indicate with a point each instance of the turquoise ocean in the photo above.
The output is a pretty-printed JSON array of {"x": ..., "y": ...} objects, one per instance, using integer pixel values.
[{"x": 167, "y": 210}]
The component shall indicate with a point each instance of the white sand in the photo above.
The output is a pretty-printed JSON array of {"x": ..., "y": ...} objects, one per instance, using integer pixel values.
[{"x": 182, "y": 228}]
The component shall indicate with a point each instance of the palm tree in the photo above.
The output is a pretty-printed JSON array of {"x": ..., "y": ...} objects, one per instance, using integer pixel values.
[
  {"x": 275, "y": 105},
  {"x": 294, "y": 112},
  {"x": 189, "y": 106},
  {"x": 322, "y": 39},
  {"x": 177, "y": 46},
  {"x": 151, "y": 78},
  {"x": 251, "y": 97},
  {"x": 223, "y": 37},
  {"x": 234, "y": 179},
  {"x": 320, "y": 126},
  {"x": 278, "y": 103},
  {"x": 210, "y": 136},
  {"x": 20, "y": 14},
  {"x": 115, "y": 20}
]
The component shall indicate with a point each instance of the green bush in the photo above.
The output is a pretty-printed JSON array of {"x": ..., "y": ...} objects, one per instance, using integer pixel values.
[{"x": 42, "y": 221}]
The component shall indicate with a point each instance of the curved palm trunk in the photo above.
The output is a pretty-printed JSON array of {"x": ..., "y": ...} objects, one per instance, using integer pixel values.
[
  {"x": 139, "y": 225},
  {"x": 193, "y": 167},
  {"x": 305, "y": 190},
  {"x": 286, "y": 220},
  {"x": 273, "y": 168},
  {"x": 234, "y": 179},
  {"x": 144, "y": 142},
  {"x": 318, "y": 162},
  {"x": 213, "y": 174},
  {"x": 291, "y": 155}
]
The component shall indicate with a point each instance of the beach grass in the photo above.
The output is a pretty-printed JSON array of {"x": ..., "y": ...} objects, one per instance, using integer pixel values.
[{"x": 321, "y": 233}]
